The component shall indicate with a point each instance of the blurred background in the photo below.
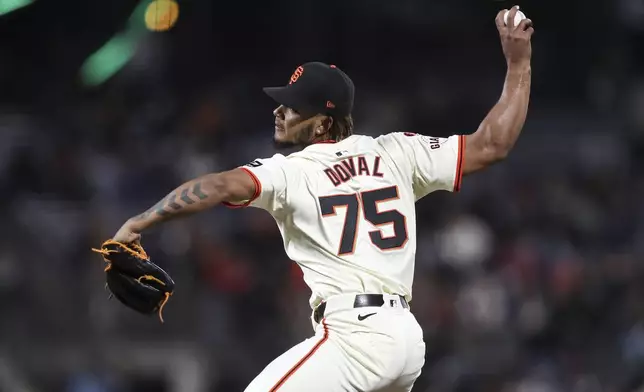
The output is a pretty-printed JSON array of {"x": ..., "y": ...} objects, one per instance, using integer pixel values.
[{"x": 527, "y": 280}]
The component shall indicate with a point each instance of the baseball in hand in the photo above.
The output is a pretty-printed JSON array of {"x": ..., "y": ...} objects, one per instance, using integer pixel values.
[{"x": 518, "y": 17}]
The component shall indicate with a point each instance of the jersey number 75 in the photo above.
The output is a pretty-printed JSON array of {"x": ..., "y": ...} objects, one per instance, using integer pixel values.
[{"x": 369, "y": 201}]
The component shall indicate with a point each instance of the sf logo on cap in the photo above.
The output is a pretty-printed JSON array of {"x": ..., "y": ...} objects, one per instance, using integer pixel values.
[{"x": 296, "y": 75}]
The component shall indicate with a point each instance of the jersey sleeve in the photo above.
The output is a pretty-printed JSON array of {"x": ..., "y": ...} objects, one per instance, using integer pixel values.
[
  {"x": 434, "y": 163},
  {"x": 270, "y": 178}
]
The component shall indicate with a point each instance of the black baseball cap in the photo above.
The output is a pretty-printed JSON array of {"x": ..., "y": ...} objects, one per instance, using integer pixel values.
[{"x": 316, "y": 88}]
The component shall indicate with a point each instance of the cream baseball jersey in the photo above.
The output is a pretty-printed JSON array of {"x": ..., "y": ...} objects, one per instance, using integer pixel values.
[{"x": 346, "y": 210}]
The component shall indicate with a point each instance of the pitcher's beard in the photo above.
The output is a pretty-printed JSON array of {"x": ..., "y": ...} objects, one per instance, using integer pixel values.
[
  {"x": 279, "y": 145},
  {"x": 303, "y": 139}
]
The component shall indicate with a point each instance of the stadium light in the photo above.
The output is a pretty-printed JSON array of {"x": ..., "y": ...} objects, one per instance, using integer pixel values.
[
  {"x": 7, "y": 6},
  {"x": 120, "y": 49},
  {"x": 108, "y": 60}
]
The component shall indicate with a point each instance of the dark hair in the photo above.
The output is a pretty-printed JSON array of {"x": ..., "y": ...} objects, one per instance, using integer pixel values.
[{"x": 341, "y": 128}]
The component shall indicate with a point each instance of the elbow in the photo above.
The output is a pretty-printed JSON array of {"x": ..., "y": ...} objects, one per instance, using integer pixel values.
[
  {"x": 496, "y": 152},
  {"x": 493, "y": 147},
  {"x": 499, "y": 147},
  {"x": 482, "y": 151},
  {"x": 235, "y": 186},
  {"x": 500, "y": 153},
  {"x": 217, "y": 185}
]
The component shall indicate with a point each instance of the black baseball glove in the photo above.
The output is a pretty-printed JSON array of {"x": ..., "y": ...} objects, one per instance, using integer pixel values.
[{"x": 132, "y": 278}]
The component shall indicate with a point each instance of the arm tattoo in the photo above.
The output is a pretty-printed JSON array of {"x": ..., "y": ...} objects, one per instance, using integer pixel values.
[
  {"x": 157, "y": 207},
  {"x": 171, "y": 201},
  {"x": 185, "y": 198},
  {"x": 197, "y": 191}
]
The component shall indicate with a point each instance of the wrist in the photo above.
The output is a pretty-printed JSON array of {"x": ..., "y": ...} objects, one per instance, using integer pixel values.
[
  {"x": 521, "y": 67},
  {"x": 137, "y": 225}
]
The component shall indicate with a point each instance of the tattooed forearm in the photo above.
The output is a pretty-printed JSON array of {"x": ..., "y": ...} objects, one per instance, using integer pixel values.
[
  {"x": 177, "y": 203},
  {"x": 170, "y": 203},
  {"x": 185, "y": 198},
  {"x": 198, "y": 195},
  {"x": 196, "y": 189},
  {"x": 158, "y": 208}
]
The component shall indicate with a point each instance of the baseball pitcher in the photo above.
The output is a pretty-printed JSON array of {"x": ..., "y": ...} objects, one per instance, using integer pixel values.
[{"x": 345, "y": 206}]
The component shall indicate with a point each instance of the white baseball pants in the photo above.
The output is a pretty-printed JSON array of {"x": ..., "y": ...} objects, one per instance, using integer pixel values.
[{"x": 364, "y": 349}]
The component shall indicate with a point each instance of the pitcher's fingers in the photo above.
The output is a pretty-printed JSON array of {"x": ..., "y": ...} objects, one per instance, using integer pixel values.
[
  {"x": 524, "y": 25},
  {"x": 511, "y": 16},
  {"x": 500, "y": 24}
]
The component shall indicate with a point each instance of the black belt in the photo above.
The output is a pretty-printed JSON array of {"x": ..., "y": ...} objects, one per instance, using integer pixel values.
[{"x": 361, "y": 301}]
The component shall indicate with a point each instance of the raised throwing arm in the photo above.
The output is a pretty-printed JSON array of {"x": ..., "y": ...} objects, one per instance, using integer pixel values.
[{"x": 500, "y": 129}]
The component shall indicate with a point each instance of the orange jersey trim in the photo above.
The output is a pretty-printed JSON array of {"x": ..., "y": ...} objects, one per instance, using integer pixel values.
[
  {"x": 258, "y": 191},
  {"x": 459, "y": 163},
  {"x": 302, "y": 361}
]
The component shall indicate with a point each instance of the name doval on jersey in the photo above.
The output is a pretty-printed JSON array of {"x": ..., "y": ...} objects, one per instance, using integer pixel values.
[{"x": 347, "y": 169}]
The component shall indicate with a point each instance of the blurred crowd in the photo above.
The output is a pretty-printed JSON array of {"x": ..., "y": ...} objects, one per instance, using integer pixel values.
[{"x": 527, "y": 280}]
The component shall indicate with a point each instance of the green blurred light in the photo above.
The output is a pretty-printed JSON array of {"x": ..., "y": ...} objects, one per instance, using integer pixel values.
[
  {"x": 136, "y": 23},
  {"x": 7, "y": 6},
  {"x": 117, "y": 52},
  {"x": 108, "y": 60}
]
